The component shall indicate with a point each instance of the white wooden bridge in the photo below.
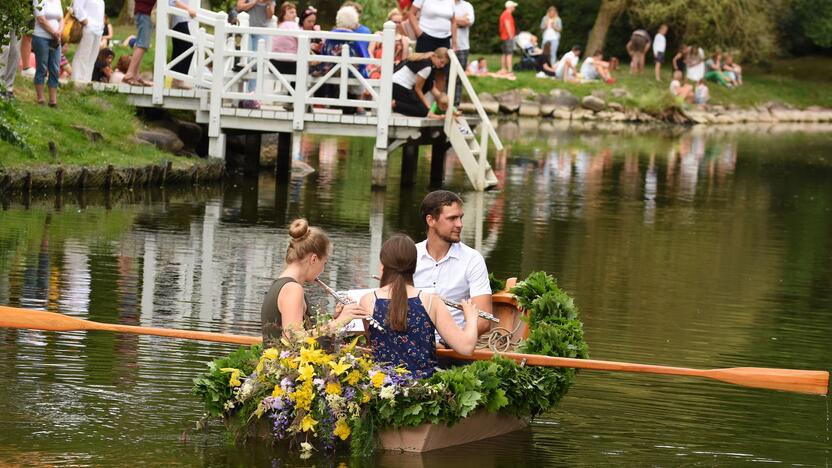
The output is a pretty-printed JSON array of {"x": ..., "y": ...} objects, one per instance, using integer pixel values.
[{"x": 222, "y": 64}]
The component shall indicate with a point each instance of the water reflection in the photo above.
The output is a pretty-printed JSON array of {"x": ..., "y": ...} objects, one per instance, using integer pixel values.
[{"x": 697, "y": 248}]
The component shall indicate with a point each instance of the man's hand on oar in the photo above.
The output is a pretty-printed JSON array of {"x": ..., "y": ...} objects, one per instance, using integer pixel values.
[{"x": 790, "y": 380}]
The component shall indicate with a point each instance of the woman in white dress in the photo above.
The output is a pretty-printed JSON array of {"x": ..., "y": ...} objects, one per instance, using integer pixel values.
[{"x": 90, "y": 13}]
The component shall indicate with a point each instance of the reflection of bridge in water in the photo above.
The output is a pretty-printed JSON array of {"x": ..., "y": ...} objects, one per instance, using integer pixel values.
[{"x": 327, "y": 94}]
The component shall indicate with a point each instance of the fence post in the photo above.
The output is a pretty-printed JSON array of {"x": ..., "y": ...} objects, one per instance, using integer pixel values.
[
  {"x": 160, "y": 58},
  {"x": 301, "y": 74},
  {"x": 218, "y": 78},
  {"x": 385, "y": 94}
]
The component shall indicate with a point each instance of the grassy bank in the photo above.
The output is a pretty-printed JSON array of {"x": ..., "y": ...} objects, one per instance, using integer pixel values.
[
  {"x": 800, "y": 82},
  {"x": 108, "y": 114}
]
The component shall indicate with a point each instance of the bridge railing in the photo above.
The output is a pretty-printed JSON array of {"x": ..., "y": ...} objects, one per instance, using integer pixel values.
[{"x": 234, "y": 73}]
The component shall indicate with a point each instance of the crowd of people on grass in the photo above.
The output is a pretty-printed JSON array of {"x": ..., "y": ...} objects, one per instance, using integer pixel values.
[{"x": 425, "y": 31}]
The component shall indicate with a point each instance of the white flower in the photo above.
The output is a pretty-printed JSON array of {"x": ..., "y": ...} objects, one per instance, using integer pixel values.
[
  {"x": 246, "y": 389},
  {"x": 388, "y": 392}
]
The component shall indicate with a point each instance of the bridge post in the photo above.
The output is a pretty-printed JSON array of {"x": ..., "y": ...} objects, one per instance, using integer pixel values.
[
  {"x": 438, "y": 150},
  {"x": 216, "y": 138},
  {"x": 160, "y": 57},
  {"x": 410, "y": 163},
  {"x": 379, "y": 167},
  {"x": 283, "y": 162}
]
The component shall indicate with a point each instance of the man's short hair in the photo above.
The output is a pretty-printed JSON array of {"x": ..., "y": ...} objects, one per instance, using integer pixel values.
[{"x": 434, "y": 201}]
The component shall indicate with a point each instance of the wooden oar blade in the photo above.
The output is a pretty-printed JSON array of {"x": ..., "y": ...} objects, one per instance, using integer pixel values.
[
  {"x": 12, "y": 317},
  {"x": 790, "y": 380}
]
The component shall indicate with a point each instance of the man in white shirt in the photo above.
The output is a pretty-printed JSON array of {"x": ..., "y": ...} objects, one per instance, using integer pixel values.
[
  {"x": 454, "y": 270},
  {"x": 464, "y": 14},
  {"x": 659, "y": 47},
  {"x": 567, "y": 67}
]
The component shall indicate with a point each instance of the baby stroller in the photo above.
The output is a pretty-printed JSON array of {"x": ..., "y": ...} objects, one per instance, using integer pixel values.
[{"x": 526, "y": 43}]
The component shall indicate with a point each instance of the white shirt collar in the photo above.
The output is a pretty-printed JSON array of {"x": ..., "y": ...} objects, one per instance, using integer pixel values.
[{"x": 454, "y": 252}]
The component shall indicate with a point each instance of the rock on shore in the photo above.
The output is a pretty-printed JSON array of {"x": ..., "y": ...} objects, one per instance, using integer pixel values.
[{"x": 563, "y": 105}]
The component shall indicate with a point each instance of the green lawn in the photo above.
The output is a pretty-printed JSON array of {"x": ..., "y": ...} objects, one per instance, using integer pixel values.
[
  {"x": 106, "y": 113},
  {"x": 800, "y": 82}
]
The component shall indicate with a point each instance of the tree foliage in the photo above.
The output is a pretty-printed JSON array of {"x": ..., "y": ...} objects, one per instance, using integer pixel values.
[
  {"x": 746, "y": 26},
  {"x": 815, "y": 18},
  {"x": 15, "y": 16}
]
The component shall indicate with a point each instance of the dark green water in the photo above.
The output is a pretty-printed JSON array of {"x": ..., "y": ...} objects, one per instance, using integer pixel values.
[{"x": 685, "y": 249}]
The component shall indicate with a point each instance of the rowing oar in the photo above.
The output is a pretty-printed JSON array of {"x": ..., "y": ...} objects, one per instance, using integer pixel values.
[
  {"x": 12, "y": 317},
  {"x": 790, "y": 380}
]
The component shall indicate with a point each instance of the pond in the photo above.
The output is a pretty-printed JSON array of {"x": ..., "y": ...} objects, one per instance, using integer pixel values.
[{"x": 693, "y": 248}]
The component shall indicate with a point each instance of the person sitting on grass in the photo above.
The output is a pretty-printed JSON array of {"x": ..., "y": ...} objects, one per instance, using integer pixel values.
[
  {"x": 102, "y": 70},
  {"x": 713, "y": 70},
  {"x": 545, "y": 67},
  {"x": 701, "y": 94},
  {"x": 678, "y": 89},
  {"x": 409, "y": 82},
  {"x": 732, "y": 70},
  {"x": 595, "y": 68},
  {"x": 477, "y": 67},
  {"x": 567, "y": 67},
  {"x": 65, "y": 66}
]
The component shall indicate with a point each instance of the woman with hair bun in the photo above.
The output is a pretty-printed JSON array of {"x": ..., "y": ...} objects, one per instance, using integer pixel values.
[
  {"x": 409, "y": 317},
  {"x": 284, "y": 308}
]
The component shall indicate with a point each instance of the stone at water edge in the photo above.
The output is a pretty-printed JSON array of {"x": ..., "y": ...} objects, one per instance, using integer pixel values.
[
  {"x": 593, "y": 103},
  {"x": 548, "y": 104},
  {"x": 529, "y": 109},
  {"x": 616, "y": 106},
  {"x": 162, "y": 138},
  {"x": 564, "y": 98},
  {"x": 562, "y": 113},
  {"x": 489, "y": 103},
  {"x": 509, "y": 101},
  {"x": 620, "y": 93},
  {"x": 467, "y": 108}
]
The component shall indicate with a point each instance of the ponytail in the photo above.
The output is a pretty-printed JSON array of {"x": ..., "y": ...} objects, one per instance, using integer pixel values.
[{"x": 398, "y": 255}]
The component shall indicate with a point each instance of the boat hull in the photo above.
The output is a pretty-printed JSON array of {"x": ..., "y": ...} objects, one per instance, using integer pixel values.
[{"x": 426, "y": 437}]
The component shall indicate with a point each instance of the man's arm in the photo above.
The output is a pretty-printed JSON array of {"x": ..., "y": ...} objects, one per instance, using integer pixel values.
[
  {"x": 483, "y": 303},
  {"x": 479, "y": 289}
]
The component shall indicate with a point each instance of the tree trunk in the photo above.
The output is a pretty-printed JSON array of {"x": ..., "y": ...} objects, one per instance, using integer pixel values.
[
  {"x": 607, "y": 13},
  {"x": 125, "y": 16}
]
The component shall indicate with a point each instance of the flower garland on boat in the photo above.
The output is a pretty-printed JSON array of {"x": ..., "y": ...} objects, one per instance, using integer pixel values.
[{"x": 320, "y": 400}]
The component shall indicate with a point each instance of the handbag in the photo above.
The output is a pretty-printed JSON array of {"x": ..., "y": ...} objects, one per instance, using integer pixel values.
[{"x": 72, "y": 29}]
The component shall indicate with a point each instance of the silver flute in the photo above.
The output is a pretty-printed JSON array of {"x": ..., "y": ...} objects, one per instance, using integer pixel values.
[
  {"x": 346, "y": 300},
  {"x": 456, "y": 305}
]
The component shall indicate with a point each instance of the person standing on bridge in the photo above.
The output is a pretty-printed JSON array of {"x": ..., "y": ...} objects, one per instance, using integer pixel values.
[
  {"x": 260, "y": 14},
  {"x": 464, "y": 13},
  {"x": 144, "y": 27},
  {"x": 435, "y": 26},
  {"x": 454, "y": 270}
]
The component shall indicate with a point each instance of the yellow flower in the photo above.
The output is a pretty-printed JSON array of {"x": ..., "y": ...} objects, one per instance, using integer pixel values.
[
  {"x": 378, "y": 379},
  {"x": 339, "y": 367},
  {"x": 311, "y": 341},
  {"x": 402, "y": 371},
  {"x": 234, "y": 381},
  {"x": 333, "y": 388},
  {"x": 308, "y": 424},
  {"x": 342, "y": 429},
  {"x": 365, "y": 397},
  {"x": 314, "y": 356},
  {"x": 306, "y": 372},
  {"x": 278, "y": 392},
  {"x": 350, "y": 347},
  {"x": 270, "y": 353},
  {"x": 353, "y": 377},
  {"x": 302, "y": 396}
]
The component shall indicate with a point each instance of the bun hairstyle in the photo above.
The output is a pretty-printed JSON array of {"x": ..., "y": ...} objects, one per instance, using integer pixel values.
[
  {"x": 305, "y": 240},
  {"x": 398, "y": 255}
]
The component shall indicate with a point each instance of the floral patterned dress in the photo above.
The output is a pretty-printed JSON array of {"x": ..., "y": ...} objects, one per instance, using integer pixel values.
[{"x": 414, "y": 348}]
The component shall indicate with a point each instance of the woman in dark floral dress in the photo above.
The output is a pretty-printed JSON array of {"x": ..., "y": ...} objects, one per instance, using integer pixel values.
[{"x": 410, "y": 317}]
